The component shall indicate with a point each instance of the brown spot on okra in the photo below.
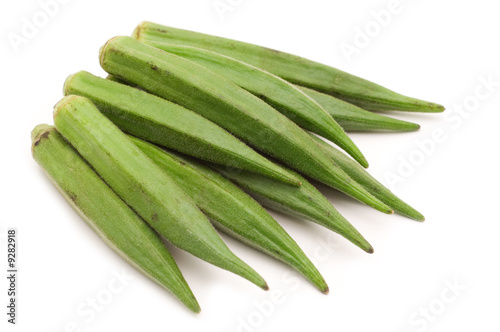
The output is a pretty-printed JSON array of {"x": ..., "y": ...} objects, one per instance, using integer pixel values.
[
  {"x": 42, "y": 136},
  {"x": 154, "y": 216},
  {"x": 153, "y": 66},
  {"x": 72, "y": 196}
]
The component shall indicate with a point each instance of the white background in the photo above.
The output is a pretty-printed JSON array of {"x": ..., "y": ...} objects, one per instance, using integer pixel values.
[{"x": 434, "y": 50}]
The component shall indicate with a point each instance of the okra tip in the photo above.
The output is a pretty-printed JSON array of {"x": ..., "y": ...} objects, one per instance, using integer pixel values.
[
  {"x": 418, "y": 105},
  {"x": 369, "y": 250},
  {"x": 362, "y": 161},
  {"x": 193, "y": 306},
  {"x": 415, "y": 215},
  {"x": 436, "y": 108},
  {"x": 259, "y": 281}
]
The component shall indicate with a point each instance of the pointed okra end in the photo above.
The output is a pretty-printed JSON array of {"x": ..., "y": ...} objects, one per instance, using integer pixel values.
[
  {"x": 237, "y": 266},
  {"x": 338, "y": 136},
  {"x": 420, "y": 218},
  {"x": 409, "y": 104},
  {"x": 348, "y": 146},
  {"x": 361, "y": 242},
  {"x": 343, "y": 227},
  {"x": 286, "y": 177},
  {"x": 434, "y": 108},
  {"x": 362, "y": 160},
  {"x": 418, "y": 105},
  {"x": 408, "y": 126},
  {"x": 358, "y": 192},
  {"x": 192, "y": 304},
  {"x": 375, "y": 203},
  {"x": 311, "y": 273},
  {"x": 259, "y": 281},
  {"x": 411, "y": 213}
]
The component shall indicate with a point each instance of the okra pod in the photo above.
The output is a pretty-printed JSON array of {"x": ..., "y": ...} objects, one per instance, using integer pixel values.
[
  {"x": 110, "y": 217},
  {"x": 229, "y": 106},
  {"x": 292, "y": 68},
  {"x": 143, "y": 185},
  {"x": 231, "y": 210},
  {"x": 353, "y": 118},
  {"x": 364, "y": 178},
  {"x": 162, "y": 122},
  {"x": 278, "y": 93},
  {"x": 303, "y": 202}
]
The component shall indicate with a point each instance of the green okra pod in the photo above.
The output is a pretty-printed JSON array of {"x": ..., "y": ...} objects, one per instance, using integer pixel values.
[
  {"x": 232, "y": 211},
  {"x": 280, "y": 94},
  {"x": 353, "y": 118},
  {"x": 162, "y": 122},
  {"x": 143, "y": 185},
  {"x": 229, "y": 106},
  {"x": 110, "y": 217},
  {"x": 303, "y": 202},
  {"x": 364, "y": 178},
  {"x": 350, "y": 117},
  {"x": 292, "y": 68}
]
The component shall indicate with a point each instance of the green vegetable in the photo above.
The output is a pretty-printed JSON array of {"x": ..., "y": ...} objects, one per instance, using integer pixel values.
[
  {"x": 221, "y": 101},
  {"x": 160, "y": 121},
  {"x": 350, "y": 117},
  {"x": 280, "y": 94},
  {"x": 143, "y": 185},
  {"x": 232, "y": 211},
  {"x": 353, "y": 118},
  {"x": 292, "y": 68},
  {"x": 113, "y": 220},
  {"x": 303, "y": 202},
  {"x": 369, "y": 182}
]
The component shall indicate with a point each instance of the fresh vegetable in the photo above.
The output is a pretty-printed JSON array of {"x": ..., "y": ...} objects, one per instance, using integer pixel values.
[
  {"x": 231, "y": 210},
  {"x": 369, "y": 182},
  {"x": 278, "y": 93},
  {"x": 143, "y": 185},
  {"x": 303, "y": 202},
  {"x": 162, "y": 122},
  {"x": 353, "y": 118},
  {"x": 350, "y": 117},
  {"x": 231, "y": 107},
  {"x": 292, "y": 68},
  {"x": 113, "y": 220}
]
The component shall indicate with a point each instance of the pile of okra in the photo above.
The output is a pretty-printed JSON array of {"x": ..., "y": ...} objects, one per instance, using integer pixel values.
[{"x": 191, "y": 133}]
